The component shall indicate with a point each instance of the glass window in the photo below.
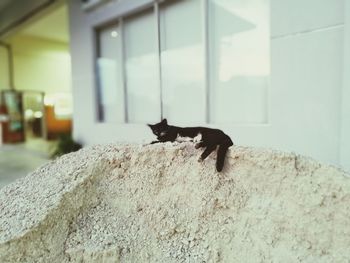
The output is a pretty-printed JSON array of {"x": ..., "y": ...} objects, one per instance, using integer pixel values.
[
  {"x": 239, "y": 60},
  {"x": 145, "y": 72},
  {"x": 110, "y": 91},
  {"x": 142, "y": 71},
  {"x": 182, "y": 61}
]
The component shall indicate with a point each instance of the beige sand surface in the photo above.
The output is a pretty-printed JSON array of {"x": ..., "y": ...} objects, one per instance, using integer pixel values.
[{"x": 156, "y": 203}]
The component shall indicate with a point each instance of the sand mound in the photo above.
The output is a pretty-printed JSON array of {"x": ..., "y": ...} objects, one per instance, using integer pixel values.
[{"x": 156, "y": 203}]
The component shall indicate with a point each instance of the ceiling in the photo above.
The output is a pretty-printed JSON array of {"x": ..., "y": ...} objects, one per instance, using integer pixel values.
[
  {"x": 4, "y": 3},
  {"x": 53, "y": 26}
]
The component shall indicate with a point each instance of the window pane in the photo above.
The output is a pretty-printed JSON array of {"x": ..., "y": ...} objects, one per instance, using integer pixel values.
[
  {"x": 182, "y": 61},
  {"x": 111, "y": 94},
  {"x": 141, "y": 62},
  {"x": 240, "y": 60}
]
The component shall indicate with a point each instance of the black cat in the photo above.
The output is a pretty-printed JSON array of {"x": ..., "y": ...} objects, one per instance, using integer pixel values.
[{"x": 205, "y": 137}]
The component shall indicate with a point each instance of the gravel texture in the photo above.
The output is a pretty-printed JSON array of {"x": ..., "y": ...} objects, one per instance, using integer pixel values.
[{"x": 156, "y": 203}]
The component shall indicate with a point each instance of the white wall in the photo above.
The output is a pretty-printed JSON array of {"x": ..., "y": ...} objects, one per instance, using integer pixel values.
[
  {"x": 304, "y": 99},
  {"x": 4, "y": 69},
  {"x": 41, "y": 64},
  {"x": 307, "y": 57},
  {"x": 345, "y": 117}
]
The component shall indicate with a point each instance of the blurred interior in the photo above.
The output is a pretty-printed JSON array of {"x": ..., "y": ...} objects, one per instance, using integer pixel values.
[{"x": 35, "y": 85}]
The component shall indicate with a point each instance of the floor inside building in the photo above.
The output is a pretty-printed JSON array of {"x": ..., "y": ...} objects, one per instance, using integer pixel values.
[{"x": 18, "y": 160}]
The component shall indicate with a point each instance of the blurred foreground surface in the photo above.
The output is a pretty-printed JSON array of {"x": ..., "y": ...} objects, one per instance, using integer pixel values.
[{"x": 157, "y": 203}]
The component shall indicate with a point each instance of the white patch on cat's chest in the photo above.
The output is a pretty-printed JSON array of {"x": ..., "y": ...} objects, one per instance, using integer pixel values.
[
  {"x": 198, "y": 138},
  {"x": 182, "y": 139}
]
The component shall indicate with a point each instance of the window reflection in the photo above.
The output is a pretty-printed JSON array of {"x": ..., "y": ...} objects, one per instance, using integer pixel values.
[
  {"x": 182, "y": 61},
  {"x": 110, "y": 89},
  {"x": 240, "y": 60},
  {"x": 141, "y": 63}
]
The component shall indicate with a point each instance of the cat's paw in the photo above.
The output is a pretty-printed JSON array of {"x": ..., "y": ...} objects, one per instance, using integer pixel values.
[
  {"x": 200, "y": 159},
  {"x": 199, "y": 145}
]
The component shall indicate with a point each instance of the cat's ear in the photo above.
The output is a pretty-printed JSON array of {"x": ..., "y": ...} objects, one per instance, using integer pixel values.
[
  {"x": 164, "y": 121},
  {"x": 149, "y": 125}
]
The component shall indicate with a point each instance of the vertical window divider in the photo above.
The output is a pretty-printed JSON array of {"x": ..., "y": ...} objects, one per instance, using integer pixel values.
[
  {"x": 122, "y": 69},
  {"x": 97, "y": 50},
  {"x": 157, "y": 18},
  {"x": 205, "y": 4}
]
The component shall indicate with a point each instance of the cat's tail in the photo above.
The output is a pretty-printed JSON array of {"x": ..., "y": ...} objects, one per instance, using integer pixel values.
[{"x": 220, "y": 159}]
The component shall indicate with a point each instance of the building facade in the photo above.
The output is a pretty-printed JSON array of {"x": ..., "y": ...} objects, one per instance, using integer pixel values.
[{"x": 270, "y": 73}]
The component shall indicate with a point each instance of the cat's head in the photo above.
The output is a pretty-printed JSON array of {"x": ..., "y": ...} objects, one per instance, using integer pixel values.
[{"x": 159, "y": 129}]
